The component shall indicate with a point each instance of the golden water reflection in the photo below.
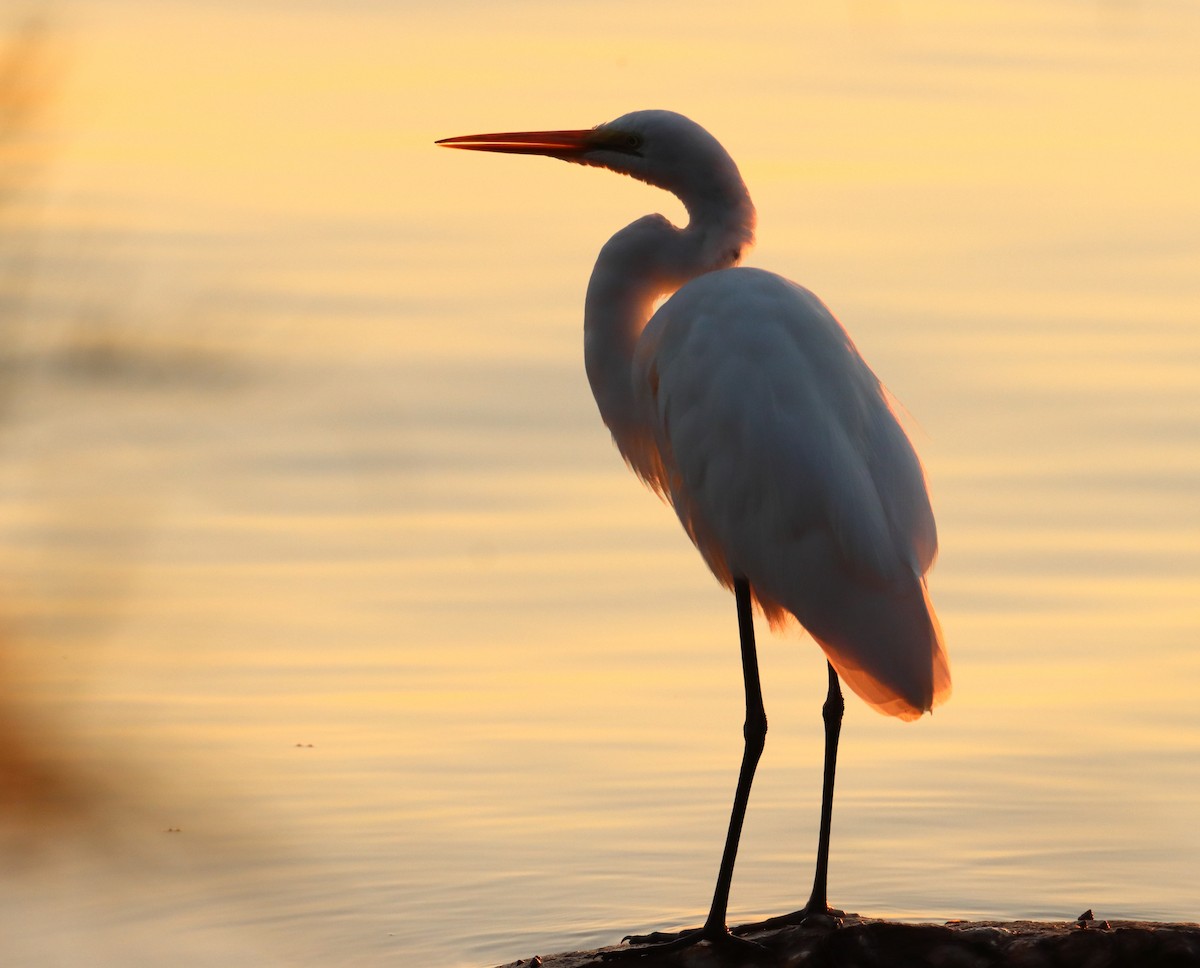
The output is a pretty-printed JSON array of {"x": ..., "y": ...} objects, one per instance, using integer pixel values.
[{"x": 334, "y": 629}]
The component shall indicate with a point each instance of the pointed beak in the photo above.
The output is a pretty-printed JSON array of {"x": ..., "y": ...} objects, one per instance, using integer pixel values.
[{"x": 556, "y": 144}]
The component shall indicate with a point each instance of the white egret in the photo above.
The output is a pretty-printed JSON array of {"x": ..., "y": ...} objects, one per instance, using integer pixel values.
[{"x": 743, "y": 402}]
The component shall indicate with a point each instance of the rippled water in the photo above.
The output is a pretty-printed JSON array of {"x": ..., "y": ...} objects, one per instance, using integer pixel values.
[{"x": 334, "y": 629}]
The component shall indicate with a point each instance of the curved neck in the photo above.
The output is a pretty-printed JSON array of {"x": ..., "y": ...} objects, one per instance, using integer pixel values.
[{"x": 643, "y": 262}]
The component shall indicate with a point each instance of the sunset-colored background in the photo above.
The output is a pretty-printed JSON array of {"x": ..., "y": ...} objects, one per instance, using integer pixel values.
[{"x": 334, "y": 630}]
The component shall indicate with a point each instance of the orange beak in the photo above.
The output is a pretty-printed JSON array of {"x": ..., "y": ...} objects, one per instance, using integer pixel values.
[{"x": 557, "y": 144}]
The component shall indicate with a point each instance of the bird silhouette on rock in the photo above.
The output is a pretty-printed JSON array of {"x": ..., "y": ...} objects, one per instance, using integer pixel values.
[{"x": 745, "y": 404}]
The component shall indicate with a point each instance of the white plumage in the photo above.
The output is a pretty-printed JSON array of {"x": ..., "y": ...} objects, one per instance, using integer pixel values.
[{"x": 777, "y": 448}]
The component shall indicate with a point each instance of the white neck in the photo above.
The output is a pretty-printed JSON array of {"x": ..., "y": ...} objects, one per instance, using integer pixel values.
[{"x": 643, "y": 262}]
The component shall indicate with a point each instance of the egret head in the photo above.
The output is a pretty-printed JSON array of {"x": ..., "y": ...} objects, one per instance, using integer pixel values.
[{"x": 661, "y": 148}]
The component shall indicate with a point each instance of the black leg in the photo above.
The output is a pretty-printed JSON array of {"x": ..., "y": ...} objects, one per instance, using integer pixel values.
[
  {"x": 835, "y": 706},
  {"x": 755, "y": 733},
  {"x": 818, "y": 902}
]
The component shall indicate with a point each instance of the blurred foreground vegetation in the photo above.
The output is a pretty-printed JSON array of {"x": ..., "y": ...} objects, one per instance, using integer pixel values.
[{"x": 87, "y": 388}]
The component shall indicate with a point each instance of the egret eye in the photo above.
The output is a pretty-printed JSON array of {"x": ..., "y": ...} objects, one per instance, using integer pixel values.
[{"x": 632, "y": 142}]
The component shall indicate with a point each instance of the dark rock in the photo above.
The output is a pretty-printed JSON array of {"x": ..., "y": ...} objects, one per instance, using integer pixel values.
[{"x": 867, "y": 943}]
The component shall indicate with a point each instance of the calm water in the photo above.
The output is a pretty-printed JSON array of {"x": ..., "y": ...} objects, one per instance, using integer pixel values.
[{"x": 334, "y": 630}]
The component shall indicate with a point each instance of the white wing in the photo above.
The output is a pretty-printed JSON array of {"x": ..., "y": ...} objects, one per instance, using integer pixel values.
[{"x": 786, "y": 466}]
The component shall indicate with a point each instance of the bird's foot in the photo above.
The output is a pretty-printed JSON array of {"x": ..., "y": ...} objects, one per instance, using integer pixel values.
[
  {"x": 809, "y": 916},
  {"x": 662, "y": 942}
]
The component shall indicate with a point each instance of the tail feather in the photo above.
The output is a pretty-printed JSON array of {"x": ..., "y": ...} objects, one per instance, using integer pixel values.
[{"x": 884, "y": 641}]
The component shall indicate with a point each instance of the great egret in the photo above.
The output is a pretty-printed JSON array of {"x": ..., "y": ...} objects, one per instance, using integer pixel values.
[{"x": 743, "y": 402}]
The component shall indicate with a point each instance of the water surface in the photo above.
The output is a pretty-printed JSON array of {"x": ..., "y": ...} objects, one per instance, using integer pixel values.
[{"x": 337, "y": 632}]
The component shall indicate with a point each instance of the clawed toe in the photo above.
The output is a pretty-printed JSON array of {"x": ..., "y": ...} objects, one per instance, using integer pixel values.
[
  {"x": 661, "y": 942},
  {"x": 658, "y": 937},
  {"x": 806, "y": 917}
]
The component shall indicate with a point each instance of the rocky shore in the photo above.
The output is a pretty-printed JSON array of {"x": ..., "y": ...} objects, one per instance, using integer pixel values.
[{"x": 854, "y": 942}]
